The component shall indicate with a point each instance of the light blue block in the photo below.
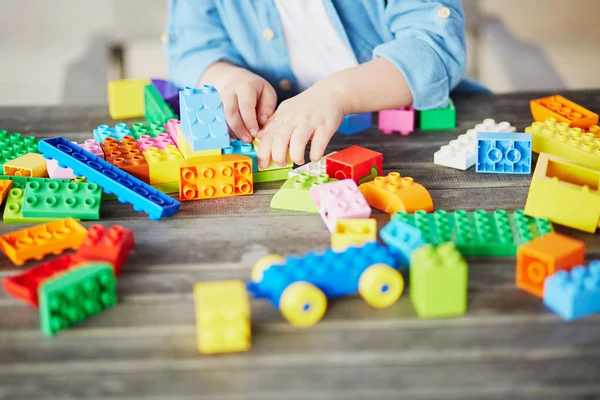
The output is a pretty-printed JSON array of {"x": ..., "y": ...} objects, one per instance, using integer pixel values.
[
  {"x": 403, "y": 239},
  {"x": 117, "y": 132},
  {"x": 355, "y": 123},
  {"x": 243, "y": 149},
  {"x": 202, "y": 118},
  {"x": 504, "y": 153}
]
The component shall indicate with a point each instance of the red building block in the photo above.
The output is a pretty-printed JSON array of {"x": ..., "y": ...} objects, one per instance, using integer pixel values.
[
  {"x": 112, "y": 245},
  {"x": 24, "y": 286},
  {"x": 356, "y": 163}
]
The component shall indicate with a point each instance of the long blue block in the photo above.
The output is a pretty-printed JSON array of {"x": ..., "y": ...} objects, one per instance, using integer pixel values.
[
  {"x": 113, "y": 180},
  {"x": 355, "y": 123},
  {"x": 504, "y": 153},
  {"x": 402, "y": 238}
]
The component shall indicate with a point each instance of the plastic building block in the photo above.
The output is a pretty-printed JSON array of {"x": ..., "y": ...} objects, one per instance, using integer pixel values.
[
  {"x": 160, "y": 142},
  {"x": 461, "y": 153},
  {"x": 299, "y": 286},
  {"x": 153, "y": 129},
  {"x": 353, "y": 232},
  {"x": 14, "y": 145},
  {"x": 574, "y": 294},
  {"x": 38, "y": 241},
  {"x": 314, "y": 168},
  {"x": 24, "y": 286},
  {"x": 222, "y": 317},
  {"x": 167, "y": 188},
  {"x": 75, "y": 295},
  {"x": 213, "y": 177},
  {"x": 5, "y": 186},
  {"x": 401, "y": 120},
  {"x": 294, "y": 194},
  {"x": 272, "y": 165},
  {"x": 573, "y": 144},
  {"x": 394, "y": 193},
  {"x": 168, "y": 92},
  {"x": 56, "y": 172},
  {"x": 13, "y": 210},
  {"x": 156, "y": 108},
  {"x": 21, "y": 181},
  {"x": 188, "y": 153},
  {"x": 272, "y": 175},
  {"x": 563, "y": 110},
  {"x": 542, "y": 257},
  {"x": 111, "y": 245},
  {"x": 356, "y": 163},
  {"x": 163, "y": 164},
  {"x": 117, "y": 132},
  {"x": 565, "y": 193},
  {"x": 172, "y": 127},
  {"x": 339, "y": 200},
  {"x": 403, "y": 239},
  {"x": 30, "y": 164},
  {"x": 355, "y": 123},
  {"x": 439, "y": 119},
  {"x": 480, "y": 233},
  {"x": 126, "y": 155},
  {"x": 62, "y": 199},
  {"x": 438, "y": 281},
  {"x": 202, "y": 118},
  {"x": 126, "y": 98},
  {"x": 504, "y": 153},
  {"x": 128, "y": 188},
  {"x": 244, "y": 149}
]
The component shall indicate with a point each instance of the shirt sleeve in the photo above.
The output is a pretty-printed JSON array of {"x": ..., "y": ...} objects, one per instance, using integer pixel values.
[
  {"x": 195, "y": 40},
  {"x": 428, "y": 47}
]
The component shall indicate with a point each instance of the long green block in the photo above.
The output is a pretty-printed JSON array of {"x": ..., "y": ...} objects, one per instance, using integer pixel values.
[
  {"x": 62, "y": 199},
  {"x": 439, "y": 119},
  {"x": 76, "y": 295},
  {"x": 480, "y": 233},
  {"x": 13, "y": 213},
  {"x": 271, "y": 175},
  {"x": 294, "y": 193}
]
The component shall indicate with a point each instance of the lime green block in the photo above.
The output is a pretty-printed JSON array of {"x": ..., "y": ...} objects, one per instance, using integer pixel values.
[
  {"x": 271, "y": 175},
  {"x": 76, "y": 295},
  {"x": 439, "y": 119},
  {"x": 13, "y": 212},
  {"x": 167, "y": 188},
  {"x": 438, "y": 281},
  {"x": 294, "y": 194},
  {"x": 21, "y": 181},
  {"x": 153, "y": 129}
]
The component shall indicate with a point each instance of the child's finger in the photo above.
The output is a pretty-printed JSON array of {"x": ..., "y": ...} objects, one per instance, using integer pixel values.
[
  {"x": 298, "y": 142},
  {"x": 266, "y": 140},
  {"x": 281, "y": 144},
  {"x": 319, "y": 143},
  {"x": 247, "y": 104},
  {"x": 233, "y": 117},
  {"x": 266, "y": 104}
]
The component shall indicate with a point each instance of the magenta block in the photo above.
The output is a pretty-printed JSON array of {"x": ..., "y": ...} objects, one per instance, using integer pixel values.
[
  {"x": 339, "y": 200},
  {"x": 160, "y": 142},
  {"x": 172, "y": 126},
  {"x": 56, "y": 172},
  {"x": 400, "y": 120}
]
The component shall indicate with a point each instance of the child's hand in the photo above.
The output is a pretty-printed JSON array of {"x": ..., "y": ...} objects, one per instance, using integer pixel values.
[{"x": 313, "y": 114}]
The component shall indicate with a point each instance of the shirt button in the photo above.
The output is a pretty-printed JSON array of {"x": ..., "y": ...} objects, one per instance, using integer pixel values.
[
  {"x": 165, "y": 38},
  {"x": 268, "y": 34},
  {"x": 444, "y": 12},
  {"x": 285, "y": 84}
]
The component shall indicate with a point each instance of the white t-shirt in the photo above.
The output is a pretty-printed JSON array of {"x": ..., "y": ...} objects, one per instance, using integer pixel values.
[{"x": 314, "y": 47}]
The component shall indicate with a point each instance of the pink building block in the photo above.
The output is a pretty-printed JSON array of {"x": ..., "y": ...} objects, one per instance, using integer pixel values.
[
  {"x": 172, "y": 127},
  {"x": 160, "y": 142},
  {"x": 398, "y": 120},
  {"x": 56, "y": 172},
  {"x": 339, "y": 200}
]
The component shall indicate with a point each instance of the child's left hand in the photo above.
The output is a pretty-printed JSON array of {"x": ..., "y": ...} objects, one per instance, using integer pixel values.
[{"x": 313, "y": 114}]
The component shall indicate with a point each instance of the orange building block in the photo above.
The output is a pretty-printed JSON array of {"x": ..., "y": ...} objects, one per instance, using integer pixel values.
[
  {"x": 126, "y": 155},
  {"x": 215, "y": 176},
  {"x": 563, "y": 110},
  {"x": 542, "y": 257},
  {"x": 5, "y": 186},
  {"x": 394, "y": 193},
  {"x": 38, "y": 241}
]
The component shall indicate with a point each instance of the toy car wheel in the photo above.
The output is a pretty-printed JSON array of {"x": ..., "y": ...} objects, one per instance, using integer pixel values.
[
  {"x": 302, "y": 304},
  {"x": 264, "y": 263},
  {"x": 380, "y": 285}
]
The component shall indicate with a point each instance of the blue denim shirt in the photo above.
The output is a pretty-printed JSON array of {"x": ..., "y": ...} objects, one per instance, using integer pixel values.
[{"x": 424, "y": 39}]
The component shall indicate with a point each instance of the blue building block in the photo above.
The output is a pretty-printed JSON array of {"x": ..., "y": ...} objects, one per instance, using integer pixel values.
[
  {"x": 355, "y": 123},
  {"x": 504, "y": 153},
  {"x": 202, "y": 118},
  {"x": 128, "y": 189},
  {"x": 244, "y": 149},
  {"x": 117, "y": 132},
  {"x": 575, "y": 293},
  {"x": 403, "y": 239}
]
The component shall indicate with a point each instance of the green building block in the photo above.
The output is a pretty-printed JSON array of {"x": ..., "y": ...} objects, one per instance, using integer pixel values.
[
  {"x": 21, "y": 181},
  {"x": 62, "y": 199},
  {"x": 13, "y": 213},
  {"x": 15, "y": 145},
  {"x": 152, "y": 129},
  {"x": 438, "y": 281},
  {"x": 271, "y": 175},
  {"x": 294, "y": 195},
  {"x": 76, "y": 295},
  {"x": 439, "y": 119},
  {"x": 479, "y": 233},
  {"x": 156, "y": 108}
]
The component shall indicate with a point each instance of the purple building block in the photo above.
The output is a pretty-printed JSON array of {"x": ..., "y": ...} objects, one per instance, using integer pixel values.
[
  {"x": 400, "y": 120},
  {"x": 169, "y": 93}
]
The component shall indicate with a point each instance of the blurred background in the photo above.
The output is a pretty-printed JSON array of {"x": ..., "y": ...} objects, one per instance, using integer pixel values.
[{"x": 64, "y": 51}]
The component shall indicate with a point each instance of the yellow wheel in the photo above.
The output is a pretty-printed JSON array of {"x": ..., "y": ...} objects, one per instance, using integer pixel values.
[
  {"x": 302, "y": 304},
  {"x": 264, "y": 263},
  {"x": 380, "y": 285}
]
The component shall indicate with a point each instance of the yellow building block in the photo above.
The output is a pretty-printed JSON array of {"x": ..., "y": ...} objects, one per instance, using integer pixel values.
[
  {"x": 565, "y": 193},
  {"x": 187, "y": 152},
  {"x": 222, "y": 317},
  {"x": 30, "y": 164},
  {"x": 126, "y": 98},
  {"x": 573, "y": 144},
  {"x": 272, "y": 166},
  {"x": 353, "y": 232},
  {"x": 163, "y": 164}
]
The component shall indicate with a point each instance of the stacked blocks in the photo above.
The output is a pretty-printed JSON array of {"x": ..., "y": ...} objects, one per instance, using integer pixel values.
[
  {"x": 15, "y": 145},
  {"x": 504, "y": 153},
  {"x": 356, "y": 163},
  {"x": 111, "y": 245},
  {"x": 202, "y": 118},
  {"x": 439, "y": 118},
  {"x": 438, "y": 281},
  {"x": 160, "y": 142},
  {"x": 76, "y": 295},
  {"x": 56, "y": 172},
  {"x": 542, "y": 257},
  {"x": 222, "y": 317},
  {"x": 188, "y": 153},
  {"x": 574, "y": 294},
  {"x": 244, "y": 149},
  {"x": 355, "y": 123},
  {"x": 217, "y": 176},
  {"x": 156, "y": 108},
  {"x": 118, "y": 132},
  {"x": 353, "y": 232},
  {"x": 339, "y": 200},
  {"x": 563, "y": 110},
  {"x": 153, "y": 130},
  {"x": 30, "y": 164},
  {"x": 126, "y": 98},
  {"x": 127, "y": 156},
  {"x": 163, "y": 164},
  {"x": 403, "y": 239},
  {"x": 394, "y": 193},
  {"x": 62, "y": 199},
  {"x": 294, "y": 194},
  {"x": 401, "y": 120}
]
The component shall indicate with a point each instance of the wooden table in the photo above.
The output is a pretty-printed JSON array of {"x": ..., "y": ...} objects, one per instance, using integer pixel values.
[{"x": 507, "y": 346}]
